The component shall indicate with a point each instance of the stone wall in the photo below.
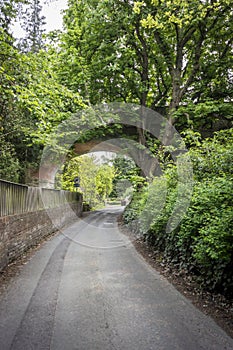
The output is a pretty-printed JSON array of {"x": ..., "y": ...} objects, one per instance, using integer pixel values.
[{"x": 19, "y": 232}]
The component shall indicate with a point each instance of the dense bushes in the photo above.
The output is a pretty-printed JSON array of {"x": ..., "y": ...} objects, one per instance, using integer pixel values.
[{"x": 203, "y": 241}]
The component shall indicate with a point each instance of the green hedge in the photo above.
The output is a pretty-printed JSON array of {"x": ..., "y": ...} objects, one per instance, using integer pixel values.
[{"x": 203, "y": 241}]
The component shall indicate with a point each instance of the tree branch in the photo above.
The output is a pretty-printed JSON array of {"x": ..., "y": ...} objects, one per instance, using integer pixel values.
[
  {"x": 196, "y": 65},
  {"x": 165, "y": 51},
  {"x": 227, "y": 47}
]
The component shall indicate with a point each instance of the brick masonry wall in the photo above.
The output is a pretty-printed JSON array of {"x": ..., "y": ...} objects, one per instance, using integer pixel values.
[{"x": 20, "y": 232}]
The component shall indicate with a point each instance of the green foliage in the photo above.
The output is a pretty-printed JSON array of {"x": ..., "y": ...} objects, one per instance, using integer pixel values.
[
  {"x": 213, "y": 157},
  {"x": 10, "y": 115},
  {"x": 173, "y": 54},
  {"x": 156, "y": 53},
  {"x": 133, "y": 210},
  {"x": 203, "y": 242},
  {"x": 166, "y": 53},
  {"x": 126, "y": 177},
  {"x": 32, "y": 104},
  {"x": 103, "y": 180},
  {"x": 87, "y": 173},
  {"x": 68, "y": 173},
  {"x": 10, "y": 166},
  {"x": 208, "y": 116},
  {"x": 95, "y": 180},
  {"x": 9, "y": 10},
  {"x": 45, "y": 107},
  {"x": 207, "y": 233}
]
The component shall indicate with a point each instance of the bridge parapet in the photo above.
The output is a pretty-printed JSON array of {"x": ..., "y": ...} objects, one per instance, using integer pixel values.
[
  {"x": 18, "y": 199},
  {"x": 25, "y": 216}
]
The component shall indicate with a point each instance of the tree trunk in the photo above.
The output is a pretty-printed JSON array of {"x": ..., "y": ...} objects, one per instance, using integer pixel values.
[{"x": 174, "y": 104}]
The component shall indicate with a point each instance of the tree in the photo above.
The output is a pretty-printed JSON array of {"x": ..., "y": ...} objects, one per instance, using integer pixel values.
[
  {"x": 33, "y": 24},
  {"x": 184, "y": 32},
  {"x": 42, "y": 97},
  {"x": 126, "y": 176},
  {"x": 9, "y": 10},
  {"x": 104, "y": 181},
  {"x": 32, "y": 101},
  {"x": 9, "y": 110},
  {"x": 155, "y": 53},
  {"x": 99, "y": 51},
  {"x": 95, "y": 180}
]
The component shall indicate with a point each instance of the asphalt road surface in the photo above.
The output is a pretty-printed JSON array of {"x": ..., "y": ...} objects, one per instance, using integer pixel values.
[{"x": 88, "y": 289}]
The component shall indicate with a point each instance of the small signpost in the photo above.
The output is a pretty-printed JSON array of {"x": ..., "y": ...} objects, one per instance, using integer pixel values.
[{"x": 77, "y": 182}]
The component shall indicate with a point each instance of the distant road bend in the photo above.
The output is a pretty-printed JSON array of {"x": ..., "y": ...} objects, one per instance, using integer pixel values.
[{"x": 88, "y": 289}]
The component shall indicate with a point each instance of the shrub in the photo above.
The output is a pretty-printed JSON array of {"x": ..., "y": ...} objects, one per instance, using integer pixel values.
[
  {"x": 206, "y": 235},
  {"x": 203, "y": 241}
]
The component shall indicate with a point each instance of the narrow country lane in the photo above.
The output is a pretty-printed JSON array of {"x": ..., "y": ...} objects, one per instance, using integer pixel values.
[{"x": 88, "y": 289}]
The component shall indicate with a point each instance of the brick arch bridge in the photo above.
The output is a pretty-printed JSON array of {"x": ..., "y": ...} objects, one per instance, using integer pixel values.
[{"x": 126, "y": 140}]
